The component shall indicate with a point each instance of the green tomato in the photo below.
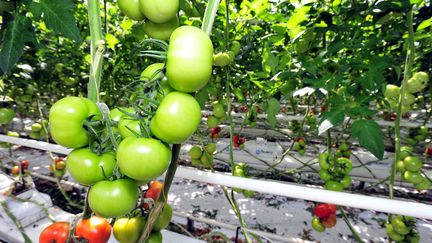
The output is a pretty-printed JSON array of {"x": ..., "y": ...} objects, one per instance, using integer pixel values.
[
  {"x": 111, "y": 199},
  {"x": 210, "y": 148},
  {"x": 317, "y": 225},
  {"x": 322, "y": 160},
  {"x": 35, "y": 135},
  {"x": 346, "y": 181},
  {"x": 334, "y": 186},
  {"x": 405, "y": 151},
  {"x": 413, "y": 177},
  {"x": 399, "y": 226},
  {"x": 127, "y": 127},
  {"x": 177, "y": 118},
  {"x": 346, "y": 164},
  {"x": 196, "y": 162},
  {"x": 36, "y": 127},
  {"x": 207, "y": 160},
  {"x": 195, "y": 152},
  {"x": 392, "y": 91},
  {"x": 161, "y": 31},
  {"x": 131, "y": 8},
  {"x": 413, "y": 238},
  {"x": 152, "y": 72},
  {"x": 418, "y": 82},
  {"x": 190, "y": 59},
  {"x": 424, "y": 184},
  {"x": 325, "y": 175},
  {"x": 221, "y": 59},
  {"x": 164, "y": 218},
  {"x": 154, "y": 237},
  {"x": 400, "y": 166},
  {"x": 66, "y": 118},
  {"x": 218, "y": 110},
  {"x": 12, "y": 134},
  {"x": 408, "y": 99},
  {"x": 143, "y": 158},
  {"x": 6, "y": 115},
  {"x": 128, "y": 230},
  {"x": 159, "y": 11},
  {"x": 412, "y": 163},
  {"x": 393, "y": 234},
  {"x": 88, "y": 168},
  {"x": 235, "y": 47},
  {"x": 411, "y": 141},
  {"x": 212, "y": 122}
]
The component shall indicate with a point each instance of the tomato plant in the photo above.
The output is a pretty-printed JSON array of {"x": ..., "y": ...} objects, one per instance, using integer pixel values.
[{"x": 56, "y": 232}]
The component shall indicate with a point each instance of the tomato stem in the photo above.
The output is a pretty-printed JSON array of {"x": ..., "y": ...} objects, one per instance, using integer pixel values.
[
  {"x": 354, "y": 232},
  {"x": 407, "y": 71}
]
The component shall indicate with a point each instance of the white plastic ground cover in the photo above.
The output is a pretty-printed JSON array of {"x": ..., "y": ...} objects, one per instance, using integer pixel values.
[{"x": 408, "y": 208}]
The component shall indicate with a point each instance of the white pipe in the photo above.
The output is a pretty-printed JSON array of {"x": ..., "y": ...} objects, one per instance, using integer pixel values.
[
  {"x": 418, "y": 210},
  {"x": 414, "y": 209}
]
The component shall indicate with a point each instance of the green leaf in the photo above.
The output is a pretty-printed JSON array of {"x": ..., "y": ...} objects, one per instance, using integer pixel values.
[
  {"x": 369, "y": 135},
  {"x": 273, "y": 107},
  {"x": 330, "y": 119},
  {"x": 426, "y": 23},
  {"x": 17, "y": 33},
  {"x": 58, "y": 16},
  {"x": 371, "y": 80},
  {"x": 202, "y": 97},
  {"x": 111, "y": 41}
]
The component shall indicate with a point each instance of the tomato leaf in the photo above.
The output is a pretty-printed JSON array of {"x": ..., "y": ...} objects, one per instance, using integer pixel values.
[
  {"x": 330, "y": 119},
  {"x": 273, "y": 107},
  {"x": 58, "y": 16},
  {"x": 369, "y": 135},
  {"x": 426, "y": 23},
  {"x": 17, "y": 33}
]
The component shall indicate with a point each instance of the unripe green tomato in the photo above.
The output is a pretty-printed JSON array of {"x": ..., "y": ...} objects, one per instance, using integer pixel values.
[
  {"x": 344, "y": 146},
  {"x": 207, "y": 160},
  {"x": 210, "y": 148},
  {"x": 325, "y": 175},
  {"x": 405, "y": 151},
  {"x": 333, "y": 186},
  {"x": 411, "y": 141},
  {"x": 302, "y": 151},
  {"x": 317, "y": 225},
  {"x": 248, "y": 193},
  {"x": 231, "y": 56},
  {"x": 196, "y": 162},
  {"x": 127, "y": 127},
  {"x": 399, "y": 226},
  {"x": 423, "y": 130},
  {"x": 35, "y": 135},
  {"x": 346, "y": 181},
  {"x": 36, "y": 127},
  {"x": 393, "y": 234},
  {"x": 322, "y": 160},
  {"x": 161, "y": 31},
  {"x": 413, "y": 177},
  {"x": 420, "y": 137},
  {"x": 408, "y": 99},
  {"x": 12, "y": 134},
  {"x": 131, "y": 9},
  {"x": 235, "y": 47},
  {"x": 159, "y": 11},
  {"x": 221, "y": 59},
  {"x": 6, "y": 115},
  {"x": 418, "y": 82},
  {"x": 164, "y": 218},
  {"x": 128, "y": 230},
  {"x": 412, "y": 163},
  {"x": 218, "y": 110},
  {"x": 413, "y": 238},
  {"x": 154, "y": 237},
  {"x": 400, "y": 166},
  {"x": 195, "y": 152},
  {"x": 212, "y": 121},
  {"x": 424, "y": 184},
  {"x": 392, "y": 91}
]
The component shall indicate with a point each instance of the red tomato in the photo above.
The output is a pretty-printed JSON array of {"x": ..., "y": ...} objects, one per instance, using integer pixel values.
[
  {"x": 94, "y": 230},
  {"x": 329, "y": 222},
  {"x": 25, "y": 164},
  {"x": 321, "y": 211},
  {"x": 238, "y": 140},
  {"x": 57, "y": 232},
  {"x": 153, "y": 192},
  {"x": 331, "y": 208}
]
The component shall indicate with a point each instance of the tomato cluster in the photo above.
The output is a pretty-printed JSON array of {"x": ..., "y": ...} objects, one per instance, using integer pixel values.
[
  {"x": 417, "y": 83},
  {"x": 22, "y": 168},
  {"x": 325, "y": 217},
  {"x": 219, "y": 115},
  {"x": 203, "y": 157},
  {"x": 410, "y": 168},
  {"x": 343, "y": 150},
  {"x": 58, "y": 167},
  {"x": 417, "y": 135},
  {"x": 402, "y": 229},
  {"x": 223, "y": 59},
  {"x": 300, "y": 145},
  {"x": 335, "y": 171},
  {"x": 311, "y": 120},
  {"x": 240, "y": 170}
]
